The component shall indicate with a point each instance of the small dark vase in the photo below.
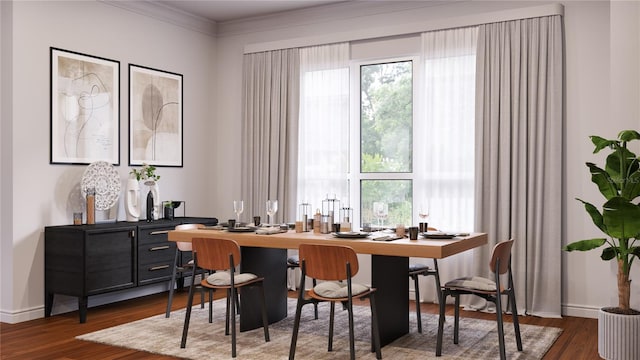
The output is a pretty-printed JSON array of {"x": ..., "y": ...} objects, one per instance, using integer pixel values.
[
  {"x": 168, "y": 213},
  {"x": 149, "y": 206}
]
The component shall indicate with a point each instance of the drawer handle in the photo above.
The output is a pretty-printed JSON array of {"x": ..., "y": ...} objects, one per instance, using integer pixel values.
[
  {"x": 159, "y": 232},
  {"x": 165, "y": 247},
  {"x": 161, "y": 267}
]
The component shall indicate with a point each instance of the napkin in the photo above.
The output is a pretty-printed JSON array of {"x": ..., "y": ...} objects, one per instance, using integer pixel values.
[
  {"x": 384, "y": 237},
  {"x": 270, "y": 230}
]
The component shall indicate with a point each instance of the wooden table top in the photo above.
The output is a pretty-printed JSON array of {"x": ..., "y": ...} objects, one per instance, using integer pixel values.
[{"x": 425, "y": 248}]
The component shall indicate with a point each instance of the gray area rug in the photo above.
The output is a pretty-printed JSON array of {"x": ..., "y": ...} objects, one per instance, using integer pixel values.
[{"x": 478, "y": 338}]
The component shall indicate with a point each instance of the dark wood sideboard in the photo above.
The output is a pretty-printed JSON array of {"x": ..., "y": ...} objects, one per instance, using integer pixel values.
[{"x": 86, "y": 260}]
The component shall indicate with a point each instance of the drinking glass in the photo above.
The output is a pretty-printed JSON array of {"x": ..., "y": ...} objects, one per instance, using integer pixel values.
[
  {"x": 238, "y": 208},
  {"x": 272, "y": 208},
  {"x": 380, "y": 211},
  {"x": 423, "y": 211}
]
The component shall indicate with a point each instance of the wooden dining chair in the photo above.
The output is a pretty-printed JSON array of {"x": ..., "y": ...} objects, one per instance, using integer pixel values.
[
  {"x": 221, "y": 256},
  {"x": 185, "y": 270},
  {"x": 491, "y": 290},
  {"x": 336, "y": 265}
]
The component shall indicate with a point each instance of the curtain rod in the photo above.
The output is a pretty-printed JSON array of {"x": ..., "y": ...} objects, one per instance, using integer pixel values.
[{"x": 411, "y": 28}]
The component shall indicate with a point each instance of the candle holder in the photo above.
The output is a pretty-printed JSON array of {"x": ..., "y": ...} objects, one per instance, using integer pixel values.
[
  {"x": 304, "y": 214},
  {"x": 346, "y": 214},
  {"x": 331, "y": 207}
]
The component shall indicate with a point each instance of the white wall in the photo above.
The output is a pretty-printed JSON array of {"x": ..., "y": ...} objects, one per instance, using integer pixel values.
[
  {"x": 39, "y": 190},
  {"x": 602, "y": 84}
]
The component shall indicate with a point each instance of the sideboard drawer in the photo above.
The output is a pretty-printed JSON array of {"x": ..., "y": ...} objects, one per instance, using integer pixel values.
[
  {"x": 153, "y": 235},
  {"x": 159, "y": 271},
  {"x": 157, "y": 252}
]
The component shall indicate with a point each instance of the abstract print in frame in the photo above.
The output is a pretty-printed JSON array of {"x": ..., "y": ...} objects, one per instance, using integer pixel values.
[
  {"x": 155, "y": 117},
  {"x": 85, "y": 108}
]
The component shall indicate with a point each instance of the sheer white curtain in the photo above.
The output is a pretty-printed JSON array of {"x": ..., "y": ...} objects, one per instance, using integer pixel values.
[
  {"x": 323, "y": 129},
  {"x": 445, "y": 142}
]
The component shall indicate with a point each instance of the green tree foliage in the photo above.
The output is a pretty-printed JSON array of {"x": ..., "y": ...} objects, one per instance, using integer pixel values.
[{"x": 386, "y": 138}]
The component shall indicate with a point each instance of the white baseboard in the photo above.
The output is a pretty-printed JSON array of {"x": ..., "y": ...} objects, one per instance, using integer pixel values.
[
  {"x": 14, "y": 317},
  {"x": 580, "y": 311},
  {"x": 64, "y": 304}
]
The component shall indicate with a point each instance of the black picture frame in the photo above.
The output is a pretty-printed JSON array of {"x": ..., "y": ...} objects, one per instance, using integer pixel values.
[
  {"x": 155, "y": 117},
  {"x": 85, "y": 108}
]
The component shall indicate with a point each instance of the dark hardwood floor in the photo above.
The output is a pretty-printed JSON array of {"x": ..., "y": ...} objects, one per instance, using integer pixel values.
[{"x": 54, "y": 337}]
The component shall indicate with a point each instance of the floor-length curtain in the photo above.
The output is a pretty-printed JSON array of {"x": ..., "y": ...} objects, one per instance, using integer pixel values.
[
  {"x": 445, "y": 142},
  {"x": 270, "y": 131},
  {"x": 519, "y": 117},
  {"x": 323, "y": 145}
]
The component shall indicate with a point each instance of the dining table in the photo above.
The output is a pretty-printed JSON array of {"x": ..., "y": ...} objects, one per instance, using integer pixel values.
[{"x": 266, "y": 255}]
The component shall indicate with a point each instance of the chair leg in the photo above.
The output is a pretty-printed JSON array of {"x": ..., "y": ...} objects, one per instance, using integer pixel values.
[
  {"x": 296, "y": 324},
  {"x": 332, "y": 311},
  {"x": 417, "y": 291},
  {"x": 456, "y": 320},
  {"x": 375, "y": 332},
  {"x": 443, "y": 298},
  {"x": 227, "y": 314},
  {"x": 172, "y": 284},
  {"x": 185, "y": 329},
  {"x": 516, "y": 322},
  {"x": 436, "y": 275},
  {"x": 503, "y": 355},
  {"x": 230, "y": 299},
  {"x": 352, "y": 341},
  {"x": 315, "y": 303},
  {"x": 265, "y": 318},
  {"x": 201, "y": 296},
  {"x": 210, "y": 306}
]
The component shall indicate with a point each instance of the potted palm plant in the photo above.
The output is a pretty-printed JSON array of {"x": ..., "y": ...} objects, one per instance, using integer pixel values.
[{"x": 619, "y": 220}]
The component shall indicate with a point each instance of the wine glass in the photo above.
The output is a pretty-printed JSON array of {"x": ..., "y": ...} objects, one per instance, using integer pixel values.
[
  {"x": 272, "y": 208},
  {"x": 238, "y": 208},
  {"x": 423, "y": 212},
  {"x": 380, "y": 211}
]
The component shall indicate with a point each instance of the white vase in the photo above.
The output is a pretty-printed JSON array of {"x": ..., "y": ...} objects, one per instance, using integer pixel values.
[
  {"x": 132, "y": 200},
  {"x": 618, "y": 336},
  {"x": 157, "y": 207}
]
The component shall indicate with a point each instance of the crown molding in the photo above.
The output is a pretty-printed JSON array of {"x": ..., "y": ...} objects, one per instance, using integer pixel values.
[
  {"x": 323, "y": 13},
  {"x": 409, "y": 28},
  {"x": 167, "y": 14}
]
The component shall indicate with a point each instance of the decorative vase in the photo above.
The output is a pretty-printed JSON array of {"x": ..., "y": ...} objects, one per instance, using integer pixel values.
[
  {"x": 618, "y": 336},
  {"x": 132, "y": 200},
  {"x": 168, "y": 212},
  {"x": 153, "y": 200}
]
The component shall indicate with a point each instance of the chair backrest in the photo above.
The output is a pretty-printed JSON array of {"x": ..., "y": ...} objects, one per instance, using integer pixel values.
[
  {"x": 501, "y": 251},
  {"x": 328, "y": 262},
  {"x": 186, "y": 245},
  {"x": 213, "y": 254}
]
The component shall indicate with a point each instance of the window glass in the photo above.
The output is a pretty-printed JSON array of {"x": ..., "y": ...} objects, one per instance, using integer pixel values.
[
  {"x": 386, "y": 203},
  {"x": 386, "y": 117}
]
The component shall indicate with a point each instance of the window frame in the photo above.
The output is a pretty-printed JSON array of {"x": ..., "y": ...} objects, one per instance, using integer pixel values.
[{"x": 355, "y": 176}]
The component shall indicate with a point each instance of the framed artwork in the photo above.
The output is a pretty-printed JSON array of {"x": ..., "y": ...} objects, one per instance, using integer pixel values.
[
  {"x": 155, "y": 117},
  {"x": 85, "y": 108}
]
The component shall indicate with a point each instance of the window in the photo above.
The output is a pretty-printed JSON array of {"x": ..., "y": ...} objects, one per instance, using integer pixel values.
[
  {"x": 386, "y": 152},
  {"x": 406, "y": 146}
]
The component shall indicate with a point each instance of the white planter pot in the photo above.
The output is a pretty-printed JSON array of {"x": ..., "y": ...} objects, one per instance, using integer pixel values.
[{"x": 618, "y": 336}]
